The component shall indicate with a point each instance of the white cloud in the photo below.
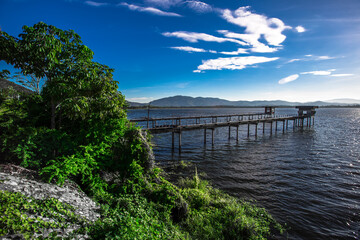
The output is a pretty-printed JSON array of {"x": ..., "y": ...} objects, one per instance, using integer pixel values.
[
  {"x": 320, "y": 73},
  {"x": 95, "y": 4},
  {"x": 189, "y": 49},
  {"x": 140, "y": 99},
  {"x": 289, "y": 79},
  {"x": 164, "y": 3},
  {"x": 151, "y": 10},
  {"x": 262, "y": 48},
  {"x": 195, "y": 37},
  {"x": 250, "y": 39},
  {"x": 300, "y": 29},
  {"x": 310, "y": 57},
  {"x": 237, "y": 52},
  {"x": 232, "y": 63},
  {"x": 294, "y": 60},
  {"x": 342, "y": 75},
  {"x": 257, "y": 25},
  {"x": 324, "y": 58},
  {"x": 198, "y": 6}
]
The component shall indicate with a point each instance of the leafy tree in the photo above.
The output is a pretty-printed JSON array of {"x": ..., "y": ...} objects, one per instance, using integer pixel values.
[{"x": 45, "y": 51}]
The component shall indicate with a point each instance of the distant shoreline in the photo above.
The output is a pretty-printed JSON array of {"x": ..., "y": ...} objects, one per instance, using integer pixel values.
[{"x": 192, "y": 107}]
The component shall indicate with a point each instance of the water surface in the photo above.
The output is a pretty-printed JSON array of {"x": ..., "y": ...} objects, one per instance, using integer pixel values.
[{"x": 308, "y": 178}]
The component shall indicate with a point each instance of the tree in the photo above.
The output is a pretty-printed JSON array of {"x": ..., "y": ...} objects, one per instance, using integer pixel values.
[
  {"x": 74, "y": 83},
  {"x": 31, "y": 81}
]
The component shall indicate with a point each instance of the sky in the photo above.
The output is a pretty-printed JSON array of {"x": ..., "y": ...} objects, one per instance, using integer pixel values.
[{"x": 298, "y": 50}]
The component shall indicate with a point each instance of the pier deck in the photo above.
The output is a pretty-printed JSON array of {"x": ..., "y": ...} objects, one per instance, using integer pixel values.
[{"x": 176, "y": 125}]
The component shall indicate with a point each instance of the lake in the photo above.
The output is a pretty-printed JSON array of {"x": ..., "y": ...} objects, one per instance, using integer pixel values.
[{"x": 308, "y": 178}]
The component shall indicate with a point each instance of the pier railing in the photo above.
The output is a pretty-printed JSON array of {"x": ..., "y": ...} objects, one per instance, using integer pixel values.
[{"x": 176, "y": 125}]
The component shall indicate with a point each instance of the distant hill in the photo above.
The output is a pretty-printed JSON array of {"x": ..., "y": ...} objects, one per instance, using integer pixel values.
[
  {"x": 135, "y": 104},
  {"x": 344, "y": 101},
  {"x": 185, "y": 101}
]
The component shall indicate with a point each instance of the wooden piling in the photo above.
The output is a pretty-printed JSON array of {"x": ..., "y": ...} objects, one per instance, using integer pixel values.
[
  {"x": 256, "y": 129},
  {"x": 204, "y": 136},
  {"x": 248, "y": 133},
  {"x": 229, "y": 132},
  {"x": 212, "y": 136},
  {"x": 237, "y": 133},
  {"x": 172, "y": 141},
  {"x": 263, "y": 127},
  {"x": 179, "y": 141},
  {"x": 283, "y": 126}
]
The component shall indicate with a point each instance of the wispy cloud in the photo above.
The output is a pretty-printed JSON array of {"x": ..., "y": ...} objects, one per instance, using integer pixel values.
[
  {"x": 189, "y": 49},
  {"x": 237, "y": 52},
  {"x": 232, "y": 63},
  {"x": 195, "y": 37},
  {"x": 324, "y": 58},
  {"x": 150, "y": 10},
  {"x": 182, "y": 85},
  {"x": 310, "y": 57},
  {"x": 320, "y": 73},
  {"x": 289, "y": 79},
  {"x": 257, "y": 25},
  {"x": 199, "y": 6},
  {"x": 250, "y": 39},
  {"x": 141, "y": 99},
  {"x": 300, "y": 29},
  {"x": 95, "y": 4},
  {"x": 342, "y": 75},
  {"x": 294, "y": 60},
  {"x": 164, "y": 3}
]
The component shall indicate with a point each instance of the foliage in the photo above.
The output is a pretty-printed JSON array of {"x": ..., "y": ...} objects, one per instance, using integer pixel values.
[
  {"x": 29, "y": 216},
  {"x": 216, "y": 215},
  {"x": 76, "y": 129},
  {"x": 134, "y": 217}
]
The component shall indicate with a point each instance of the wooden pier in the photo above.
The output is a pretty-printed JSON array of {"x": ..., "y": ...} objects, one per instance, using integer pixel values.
[{"x": 176, "y": 125}]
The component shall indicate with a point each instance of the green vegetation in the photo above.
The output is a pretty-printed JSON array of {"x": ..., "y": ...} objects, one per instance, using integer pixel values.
[
  {"x": 76, "y": 129},
  {"x": 20, "y": 214}
]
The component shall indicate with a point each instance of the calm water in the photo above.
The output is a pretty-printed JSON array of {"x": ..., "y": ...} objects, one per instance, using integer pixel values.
[{"x": 308, "y": 179}]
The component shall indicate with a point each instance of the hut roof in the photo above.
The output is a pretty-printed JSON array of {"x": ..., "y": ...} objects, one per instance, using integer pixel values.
[{"x": 6, "y": 84}]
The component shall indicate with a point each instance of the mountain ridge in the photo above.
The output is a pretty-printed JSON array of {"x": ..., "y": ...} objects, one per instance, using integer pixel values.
[{"x": 187, "y": 101}]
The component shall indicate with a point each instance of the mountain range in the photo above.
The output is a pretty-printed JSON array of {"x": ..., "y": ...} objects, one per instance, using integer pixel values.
[{"x": 186, "y": 101}]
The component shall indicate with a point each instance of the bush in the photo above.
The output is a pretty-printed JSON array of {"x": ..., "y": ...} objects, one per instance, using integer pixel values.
[{"x": 134, "y": 217}]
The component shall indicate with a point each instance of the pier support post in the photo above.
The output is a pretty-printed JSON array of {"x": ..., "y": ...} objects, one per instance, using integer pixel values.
[
  {"x": 172, "y": 141},
  {"x": 294, "y": 124},
  {"x": 263, "y": 127},
  {"x": 180, "y": 141},
  {"x": 283, "y": 126},
  {"x": 204, "y": 136},
  {"x": 276, "y": 126},
  {"x": 212, "y": 136},
  {"x": 237, "y": 133},
  {"x": 229, "y": 132},
  {"x": 248, "y": 133},
  {"x": 287, "y": 123},
  {"x": 271, "y": 127},
  {"x": 256, "y": 129}
]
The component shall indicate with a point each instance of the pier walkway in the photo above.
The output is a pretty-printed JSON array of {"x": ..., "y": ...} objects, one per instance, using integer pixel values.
[{"x": 176, "y": 125}]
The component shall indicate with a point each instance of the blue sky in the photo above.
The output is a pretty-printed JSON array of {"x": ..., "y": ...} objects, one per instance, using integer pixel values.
[{"x": 298, "y": 50}]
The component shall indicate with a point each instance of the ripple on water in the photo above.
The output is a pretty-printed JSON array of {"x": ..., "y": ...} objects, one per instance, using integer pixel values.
[{"x": 309, "y": 179}]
